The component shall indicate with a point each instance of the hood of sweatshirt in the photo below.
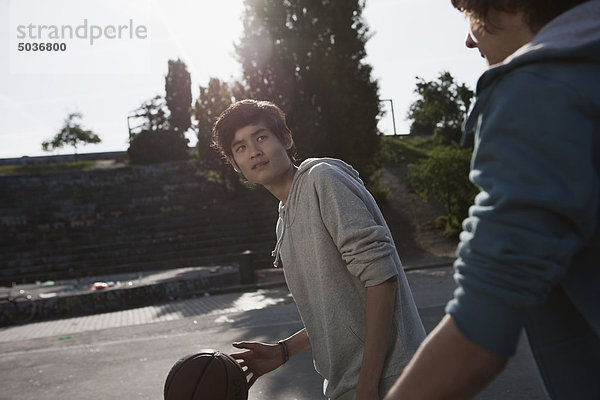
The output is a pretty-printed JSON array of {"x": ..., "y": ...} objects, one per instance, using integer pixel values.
[
  {"x": 575, "y": 34},
  {"x": 287, "y": 210}
]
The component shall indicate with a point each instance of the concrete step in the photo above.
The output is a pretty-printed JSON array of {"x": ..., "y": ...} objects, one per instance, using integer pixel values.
[{"x": 112, "y": 292}]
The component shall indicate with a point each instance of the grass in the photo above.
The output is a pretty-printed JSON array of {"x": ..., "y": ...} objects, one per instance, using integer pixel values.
[
  {"x": 397, "y": 151},
  {"x": 39, "y": 169},
  {"x": 404, "y": 150}
]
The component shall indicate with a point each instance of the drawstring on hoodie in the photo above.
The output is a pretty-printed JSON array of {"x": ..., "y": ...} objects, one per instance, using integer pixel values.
[{"x": 281, "y": 224}]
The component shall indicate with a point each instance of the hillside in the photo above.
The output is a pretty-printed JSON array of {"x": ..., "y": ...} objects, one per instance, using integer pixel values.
[{"x": 409, "y": 220}]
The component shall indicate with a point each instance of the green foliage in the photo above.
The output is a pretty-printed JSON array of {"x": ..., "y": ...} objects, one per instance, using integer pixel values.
[
  {"x": 214, "y": 98},
  {"x": 178, "y": 96},
  {"x": 379, "y": 193},
  {"x": 438, "y": 168},
  {"x": 440, "y": 108},
  {"x": 151, "y": 147},
  {"x": 39, "y": 169},
  {"x": 154, "y": 115},
  {"x": 443, "y": 175},
  {"x": 402, "y": 150},
  {"x": 160, "y": 136},
  {"x": 71, "y": 134},
  {"x": 172, "y": 209},
  {"x": 307, "y": 56}
]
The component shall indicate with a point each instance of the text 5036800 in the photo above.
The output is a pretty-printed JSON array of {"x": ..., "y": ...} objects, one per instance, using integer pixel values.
[{"x": 35, "y": 46}]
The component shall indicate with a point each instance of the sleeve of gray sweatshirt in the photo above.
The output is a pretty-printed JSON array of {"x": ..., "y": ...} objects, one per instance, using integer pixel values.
[{"x": 356, "y": 225}]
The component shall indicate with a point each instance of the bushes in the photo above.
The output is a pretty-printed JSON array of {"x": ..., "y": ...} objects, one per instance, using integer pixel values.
[
  {"x": 151, "y": 147},
  {"x": 443, "y": 175}
]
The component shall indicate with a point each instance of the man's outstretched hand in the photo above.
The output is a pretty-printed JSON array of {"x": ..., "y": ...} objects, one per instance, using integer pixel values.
[{"x": 258, "y": 359}]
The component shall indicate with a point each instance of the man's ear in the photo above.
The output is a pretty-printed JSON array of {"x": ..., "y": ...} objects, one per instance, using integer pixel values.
[
  {"x": 234, "y": 164},
  {"x": 288, "y": 142}
]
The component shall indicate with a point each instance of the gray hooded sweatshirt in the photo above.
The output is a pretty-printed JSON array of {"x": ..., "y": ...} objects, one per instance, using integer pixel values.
[{"x": 334, "y": 243}]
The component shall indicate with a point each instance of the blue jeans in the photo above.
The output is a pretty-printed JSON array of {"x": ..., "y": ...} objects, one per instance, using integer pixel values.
[{"x": 565, "y": 347}]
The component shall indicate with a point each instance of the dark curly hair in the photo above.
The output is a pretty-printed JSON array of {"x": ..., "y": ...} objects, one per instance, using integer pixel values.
[
  {"x": 249, "y": 112},
  {"x": 537, "y": 12}
]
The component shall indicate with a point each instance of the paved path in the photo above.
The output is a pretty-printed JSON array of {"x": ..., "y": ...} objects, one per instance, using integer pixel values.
[
  {"x": 127, "y": 354},
  {"x": 199, "y": 307}
]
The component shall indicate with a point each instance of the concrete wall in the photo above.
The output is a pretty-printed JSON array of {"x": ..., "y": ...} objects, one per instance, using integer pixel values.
[
  {"x": 26, "y": 160},
  {"x": 77, "y": 223}
]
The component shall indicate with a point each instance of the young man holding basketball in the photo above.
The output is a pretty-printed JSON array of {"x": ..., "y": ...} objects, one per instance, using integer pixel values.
[
  {"x": 529, "y": 254},
  {"x": 338, "y": 257}
]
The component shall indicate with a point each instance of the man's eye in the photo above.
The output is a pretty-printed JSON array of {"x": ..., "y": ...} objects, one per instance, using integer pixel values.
[{"x": 261, "y": 138}]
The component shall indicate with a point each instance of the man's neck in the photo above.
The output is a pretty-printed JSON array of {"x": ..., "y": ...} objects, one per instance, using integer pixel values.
[{"x": 281, "y": 188}]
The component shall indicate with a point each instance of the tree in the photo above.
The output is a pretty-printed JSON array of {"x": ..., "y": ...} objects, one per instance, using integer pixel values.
[
  {"x": 178, "y": 96},
  {"x": 307, "y": 56},
  {"x": 151, "y": 147},
  {"x": 160, "y": 137},
  {"x": 440, "y": 108},
  {"x": 71, "y": 134},
  {"x": 443, "y": 175},
  {"x": 153, "y": 141},
  {"x": 213, "y": 99},
  {"x": 154, "y": 115}
]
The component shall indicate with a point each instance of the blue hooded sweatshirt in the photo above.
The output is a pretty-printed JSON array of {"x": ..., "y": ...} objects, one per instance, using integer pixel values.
[{"x": 529, "y": 255}]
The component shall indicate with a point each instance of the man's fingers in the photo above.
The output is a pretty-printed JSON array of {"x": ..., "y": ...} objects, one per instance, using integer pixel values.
[
  {"x": 252, "y": 380},
  {"x": 245, "y": 367},
  {"x": 248, "y": 346},
  {"x": 244, "y": 345},
  {"x": 240, "y": 356}
]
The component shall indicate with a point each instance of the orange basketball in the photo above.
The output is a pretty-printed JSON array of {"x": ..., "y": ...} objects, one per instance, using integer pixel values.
[{"x": 208, "y": 375}]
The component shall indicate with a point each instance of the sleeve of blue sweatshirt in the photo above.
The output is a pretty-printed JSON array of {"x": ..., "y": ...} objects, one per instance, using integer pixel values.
[
  {"x": 351, "y": 217},
  {"x": 534, "y": 163}
]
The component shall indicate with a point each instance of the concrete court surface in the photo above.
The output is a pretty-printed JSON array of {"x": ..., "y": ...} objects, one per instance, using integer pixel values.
[{"x": 127, "y": 354}]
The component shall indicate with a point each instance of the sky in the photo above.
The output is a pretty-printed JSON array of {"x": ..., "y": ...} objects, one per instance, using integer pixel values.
[{"x": 119, "y": 58}]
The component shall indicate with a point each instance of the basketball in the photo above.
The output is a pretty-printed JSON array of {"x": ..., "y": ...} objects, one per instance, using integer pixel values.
[{"x": 207, "y": 375}]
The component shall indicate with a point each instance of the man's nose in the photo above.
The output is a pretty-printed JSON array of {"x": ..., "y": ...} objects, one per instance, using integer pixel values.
[
  {"x": 255, "y": 151},
  {"x": 470, "y": 43}
]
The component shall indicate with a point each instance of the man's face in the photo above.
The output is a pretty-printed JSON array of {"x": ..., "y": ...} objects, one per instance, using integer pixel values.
[
  {"x": 504, "y": 35},
  {"x": 259, "y": 154}
]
